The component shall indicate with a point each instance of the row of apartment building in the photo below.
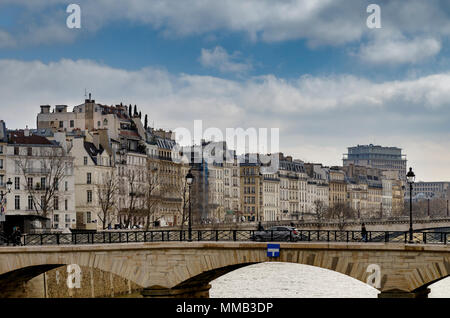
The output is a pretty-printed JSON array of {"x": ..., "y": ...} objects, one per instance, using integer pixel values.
[{"x": 98, "y": 166}]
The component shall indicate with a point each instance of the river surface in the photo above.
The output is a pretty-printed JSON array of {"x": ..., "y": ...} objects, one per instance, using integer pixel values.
[{"x": 284, "y": 280}]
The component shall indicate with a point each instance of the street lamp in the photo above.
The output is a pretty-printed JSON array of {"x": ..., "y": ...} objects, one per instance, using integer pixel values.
[
  {"x": 2, "y": 195},
  {"x": 410, "y": 177},
  {"x": 8, "y": 188},
  {"x": 189, "y": 181}
]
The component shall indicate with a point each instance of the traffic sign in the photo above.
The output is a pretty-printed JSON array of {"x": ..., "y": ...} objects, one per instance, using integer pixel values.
[{"x": 273, "y": 250}]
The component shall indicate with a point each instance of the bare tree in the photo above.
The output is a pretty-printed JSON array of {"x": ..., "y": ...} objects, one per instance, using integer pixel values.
[
  {"x": 152, "y": 194},
  {"x": 179, "y": 192},
  {"x": 320, "y": 210},
  {"x": 107, "y": 192},
  {"x": 341, "y": 212},
  {"x": 134, "y": 195},
  {"x": 55, "y": 166}
]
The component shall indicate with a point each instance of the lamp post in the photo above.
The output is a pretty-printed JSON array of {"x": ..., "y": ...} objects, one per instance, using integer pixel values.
[
  {"x": 410, "y": 177},
  {"x": 2, "y": 196},
  {"x": 189, "y": 181}
]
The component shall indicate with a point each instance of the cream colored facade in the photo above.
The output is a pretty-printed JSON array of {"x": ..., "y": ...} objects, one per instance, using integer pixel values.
[
  {"x": 337, "y": 187},
  {"x": 271, "y": 197},
  {"x": 27, "y": 165},
  {"x": 250, "y": 192},
  {"x": 358, "y": 198},
  {"x": 92, "y": 170},
  {"x": 231, "y": 183}
]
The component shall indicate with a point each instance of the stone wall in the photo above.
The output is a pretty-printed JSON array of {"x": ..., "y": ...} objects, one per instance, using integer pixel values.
[{"x": 94, "y": 283}]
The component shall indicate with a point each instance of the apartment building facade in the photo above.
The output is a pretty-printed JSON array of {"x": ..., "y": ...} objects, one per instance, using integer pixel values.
[{"x": 43, "y": 191}]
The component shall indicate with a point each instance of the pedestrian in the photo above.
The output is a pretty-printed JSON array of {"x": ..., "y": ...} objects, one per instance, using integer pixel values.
[
  {"x": 16, "y": 236},
  {"x": 260, "y": 227},
  {"x": 364, "y": 232}
]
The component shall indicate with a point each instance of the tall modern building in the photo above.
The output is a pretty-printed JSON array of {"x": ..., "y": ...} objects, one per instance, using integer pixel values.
[{"x": 385, "y": 158}]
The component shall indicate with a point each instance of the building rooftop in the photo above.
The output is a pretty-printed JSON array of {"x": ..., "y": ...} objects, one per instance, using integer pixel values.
[{"x": 19, "y": 137}]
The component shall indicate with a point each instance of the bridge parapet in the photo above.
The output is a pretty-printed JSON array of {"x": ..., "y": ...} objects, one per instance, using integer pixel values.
[{"x": 174, "y": 269}]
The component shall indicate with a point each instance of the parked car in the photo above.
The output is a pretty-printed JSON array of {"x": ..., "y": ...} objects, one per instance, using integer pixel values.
[{"x": 277, "y": 233}]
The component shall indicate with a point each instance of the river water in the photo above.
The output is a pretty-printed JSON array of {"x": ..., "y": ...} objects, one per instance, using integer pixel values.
[{"x": 285, "y": 280}]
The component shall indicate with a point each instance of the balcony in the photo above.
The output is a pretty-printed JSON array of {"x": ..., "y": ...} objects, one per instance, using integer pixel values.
[{"x": 36, "y": 171}]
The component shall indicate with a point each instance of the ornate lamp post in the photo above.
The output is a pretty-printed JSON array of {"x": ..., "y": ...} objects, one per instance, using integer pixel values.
[
  {"x": 410, "y": 177},
  {"x": 2, "y": 196},
  {"x": 189, "y": 181}
]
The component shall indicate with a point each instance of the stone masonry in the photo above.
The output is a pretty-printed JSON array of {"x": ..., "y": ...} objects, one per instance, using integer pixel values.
[{"x": 174, "y": 269}]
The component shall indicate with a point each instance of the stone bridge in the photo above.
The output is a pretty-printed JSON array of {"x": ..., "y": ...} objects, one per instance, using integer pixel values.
[
  {"x": 175, "y": 269},
  {"x": 398, "y": 224},
  {"x": 421, "y": 224}
]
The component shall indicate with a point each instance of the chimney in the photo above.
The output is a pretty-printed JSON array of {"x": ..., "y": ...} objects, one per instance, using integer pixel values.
[
  {"x": 45, "y": 109},
  {"x": 26, "y": 132}
]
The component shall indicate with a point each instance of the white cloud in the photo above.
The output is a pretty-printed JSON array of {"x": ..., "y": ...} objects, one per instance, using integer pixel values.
[
  {"x": 317, "y": 116},
  {"x": 218, "y": 58},
  {"x": 400, "y": 50},
  {"x": 325, "y": 22}
]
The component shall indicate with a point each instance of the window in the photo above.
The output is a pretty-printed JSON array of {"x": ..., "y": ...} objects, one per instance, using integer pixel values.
[
  {"x": 88, "y": 217},
  {"x": 1, "y": 163},
  {"x": 1, "y": 180},
  {"x": 30, "y": 183},
  {"x": 85, "y": 161},
  {"x": 30, "y": 202},
  {"x": 89, "y": 196},
  {"x": 17, "y": 183},
  {"x": 55, "y": 218},
  {"x": 56, "y": 203},
  {"x": 43, "y": 183},
  {"x": 98, "y": 123},
  {"x": 29, "y": 151},
  {"x": 89, "y": 178},
  {"x": 1, "y": 149},
  {"x": 67, "y": 218},
  {"x": 56, "y": 184},
  {"x": 72, "y": 124},
  {"x": 66, "y": 205},
  {"x": 61, "y": 124},
  {"x": 16, "y": 151},
  {"x": 17, "y": 202}
]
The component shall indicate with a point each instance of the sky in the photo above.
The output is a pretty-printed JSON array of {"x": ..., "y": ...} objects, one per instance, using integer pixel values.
[{"x": 313, "y": 69}]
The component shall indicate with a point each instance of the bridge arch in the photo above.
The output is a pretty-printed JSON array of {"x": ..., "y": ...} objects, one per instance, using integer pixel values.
[
  {"x": 199, "y": 272},
  {"x": 181, "y": 269}
]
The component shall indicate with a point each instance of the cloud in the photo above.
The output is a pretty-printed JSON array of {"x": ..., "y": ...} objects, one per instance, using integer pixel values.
[
  {"x": 218, "y": 58},
  {"x": 319, "y": 23},
  {"x": 399, "y": 50},
  {"x": 318, "y": 117}
]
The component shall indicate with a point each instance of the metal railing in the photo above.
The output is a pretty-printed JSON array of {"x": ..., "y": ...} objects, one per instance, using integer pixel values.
[{"x": 234, "y": 236}]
